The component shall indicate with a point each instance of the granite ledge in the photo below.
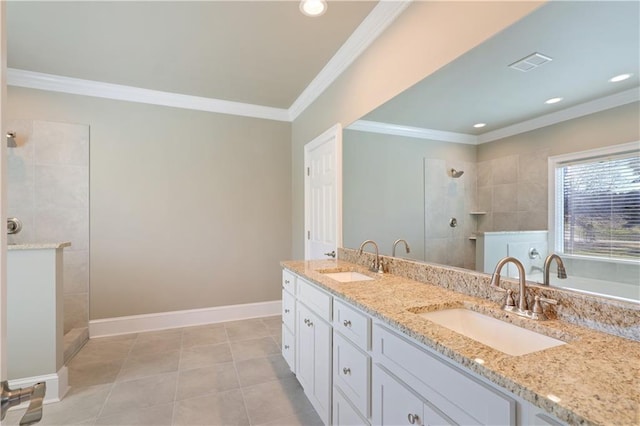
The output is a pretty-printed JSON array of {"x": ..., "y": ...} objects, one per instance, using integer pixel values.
[
  {"x": 591, "y": 379},
  {"x": 38, "y": 246}
]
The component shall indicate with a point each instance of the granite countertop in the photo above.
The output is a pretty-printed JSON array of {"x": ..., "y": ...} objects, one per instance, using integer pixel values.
[
  {"x": 593, "y": 379},
  {"x": 38, "y": 246}
]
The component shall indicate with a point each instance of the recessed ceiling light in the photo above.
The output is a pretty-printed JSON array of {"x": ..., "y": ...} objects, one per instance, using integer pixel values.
[
  {"x": 553, "y": 100},
  {"x": 479, "y": 125},
  {"x": 313, "y": 7},
  {"x": 620, "y": 77}
]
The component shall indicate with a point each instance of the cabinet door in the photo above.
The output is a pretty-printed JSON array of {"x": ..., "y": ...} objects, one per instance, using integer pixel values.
[
  {"x": 395, "y": 404},
  {"x": 313, "y": 363}
]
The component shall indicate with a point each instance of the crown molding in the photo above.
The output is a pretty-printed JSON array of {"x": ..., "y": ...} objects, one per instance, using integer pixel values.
[
  {"x": 56, "y": 83},
  {"x": 591, "y": 107},
  {"x": 413, "y": 132},
  {"x": 372, "y": 26},
  {"x": 385, "y": 12}
]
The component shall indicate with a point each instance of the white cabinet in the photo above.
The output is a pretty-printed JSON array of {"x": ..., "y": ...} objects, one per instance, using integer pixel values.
[
  {"x": 345, "y": 414},
  {"x": 460, "y": 396},
  {"x": 307, "y": 339},
  {"x": 356, "y": 371},
  {"x": 289, "y": 348},
  {"x": 351, "y": 358},
  {"x": 313, "y": 360},
  {"x": 395, "y": 404},
  {"x": 289, "y": 318},
  {"x": 352, "y": 372}
]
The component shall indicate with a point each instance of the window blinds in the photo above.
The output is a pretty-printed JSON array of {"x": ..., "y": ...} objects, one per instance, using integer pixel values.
[{"x": 601, "y": 206}]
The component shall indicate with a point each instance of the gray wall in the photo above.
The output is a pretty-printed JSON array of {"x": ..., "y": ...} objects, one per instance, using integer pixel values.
[
  {"x": 399, "y": 187},
  {"x": 188, "y": 209}
]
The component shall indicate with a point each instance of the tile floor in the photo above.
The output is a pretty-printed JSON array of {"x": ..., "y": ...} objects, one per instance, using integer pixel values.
[{"x": 221, "y": 374}]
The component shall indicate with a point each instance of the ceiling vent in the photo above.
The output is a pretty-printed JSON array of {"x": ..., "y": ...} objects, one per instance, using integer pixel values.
[{"x": 530, "y": 62}]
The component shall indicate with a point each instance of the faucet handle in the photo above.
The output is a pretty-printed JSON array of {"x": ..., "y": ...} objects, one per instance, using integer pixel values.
[
  {"x": 537, "y": 305},
  {"x": 508, "y": 299}
]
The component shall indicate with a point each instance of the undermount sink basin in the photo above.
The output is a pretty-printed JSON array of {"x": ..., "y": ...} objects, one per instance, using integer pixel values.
[
  {"x": 500, "y": 335},
  {"x": 347, "y": 277}
]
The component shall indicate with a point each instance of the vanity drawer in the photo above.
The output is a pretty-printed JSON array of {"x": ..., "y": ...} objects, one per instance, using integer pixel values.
[
  {"x": 317, "y": 300},
  {"x": 289, "y": 348},
  {"x": 288, "y": 310},
  {"x": 352, "y": 373},
  {"x": 352, "y": 323},
  {"x": 440, "y": 383},
  {"x": 289, "y": 281},
  {"x": 343, "y": 412}
]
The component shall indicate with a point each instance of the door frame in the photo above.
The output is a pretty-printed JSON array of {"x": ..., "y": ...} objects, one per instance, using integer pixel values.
[
  {"x": 3, "y": 194},
  {"x": 333, "y": 133}
]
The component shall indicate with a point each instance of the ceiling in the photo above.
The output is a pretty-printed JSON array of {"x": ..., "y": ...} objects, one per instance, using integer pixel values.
[
  {"x": 256, "y": 52},
  {"x": 589, "y": 42}
]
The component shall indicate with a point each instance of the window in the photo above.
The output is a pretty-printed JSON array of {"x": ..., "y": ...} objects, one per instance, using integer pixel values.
[{"x": 596, "y": 203}]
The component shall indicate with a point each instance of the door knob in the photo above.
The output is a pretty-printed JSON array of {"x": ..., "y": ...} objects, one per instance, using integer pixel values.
[
  {"x": 331, "y": 254},
  {"x": 34, "y": 394}
]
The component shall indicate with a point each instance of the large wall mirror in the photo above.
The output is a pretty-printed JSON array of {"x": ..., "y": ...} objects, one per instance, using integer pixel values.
[{"x": 458, "y": 164}]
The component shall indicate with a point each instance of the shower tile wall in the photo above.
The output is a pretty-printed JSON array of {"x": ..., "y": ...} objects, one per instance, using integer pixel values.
[
  {"x": 513, "y": 192},
  {"x": 48, "y": 190},
  {"x": 445, "y": 198}
]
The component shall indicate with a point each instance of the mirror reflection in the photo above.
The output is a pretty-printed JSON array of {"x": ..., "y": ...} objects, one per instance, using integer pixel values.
[{"x": 465, "y": 165}]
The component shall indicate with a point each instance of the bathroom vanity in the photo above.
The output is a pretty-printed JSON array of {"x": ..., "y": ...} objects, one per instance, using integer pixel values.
[{"x": 365, "y": 355}]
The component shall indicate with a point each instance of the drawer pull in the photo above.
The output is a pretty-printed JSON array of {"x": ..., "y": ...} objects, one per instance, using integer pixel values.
[
  {"x": 413, "y": 419},
  {"x": 286, "y": 311},
  {"x": 286, "y": 346},
  {"x": 346, "y": 371},
  {"x": 346, "y": 323},
  {"x": 286, "y": 281}
]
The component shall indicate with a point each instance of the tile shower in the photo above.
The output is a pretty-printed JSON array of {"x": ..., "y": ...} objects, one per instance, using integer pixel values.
[{"x": 48, "y": 190}]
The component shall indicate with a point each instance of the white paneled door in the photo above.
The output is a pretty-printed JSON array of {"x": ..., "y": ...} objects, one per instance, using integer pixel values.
[{"x": 323, "y": 194}]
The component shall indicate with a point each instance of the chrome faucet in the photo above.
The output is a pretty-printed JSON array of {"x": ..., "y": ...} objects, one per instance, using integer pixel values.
[
  {"x": 376, "y": 266},
  {"x": 495, "y": 281},
  {"x": 406, "y": 247},
  {"x": 562, "y": 273}
]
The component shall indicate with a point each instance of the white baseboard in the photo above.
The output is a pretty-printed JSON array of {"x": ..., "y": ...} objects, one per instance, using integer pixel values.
[
  {"x": 57, "y": 385},
  {"x": 176, "y": 319}
]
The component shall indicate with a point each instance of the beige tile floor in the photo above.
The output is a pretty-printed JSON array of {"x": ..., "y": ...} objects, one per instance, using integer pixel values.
[{"x": 222, "y": 374}]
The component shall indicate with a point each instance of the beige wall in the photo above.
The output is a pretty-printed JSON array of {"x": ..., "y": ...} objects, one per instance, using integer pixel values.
[
  {"x": 611, "y": 127},
  {"x": 393, "y": 185},
  {"x": 187, "y": 209},
  {"x": 427, "y": 36},
  {"x": 512, "y": 172}
]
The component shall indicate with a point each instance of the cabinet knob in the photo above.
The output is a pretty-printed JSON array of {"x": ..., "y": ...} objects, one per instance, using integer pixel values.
[
  {"x": 286, "y": 346},
  {"x": 413, "y": 419},
  {"x": 286, "y": 281},
  {"x": 346, "y": 371},
  {"x": 286, "y": 311},
  {"x": 310, "y": 324},
  {"x": 306, "y": 321},
  {"x": 346, "y": 323}
]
